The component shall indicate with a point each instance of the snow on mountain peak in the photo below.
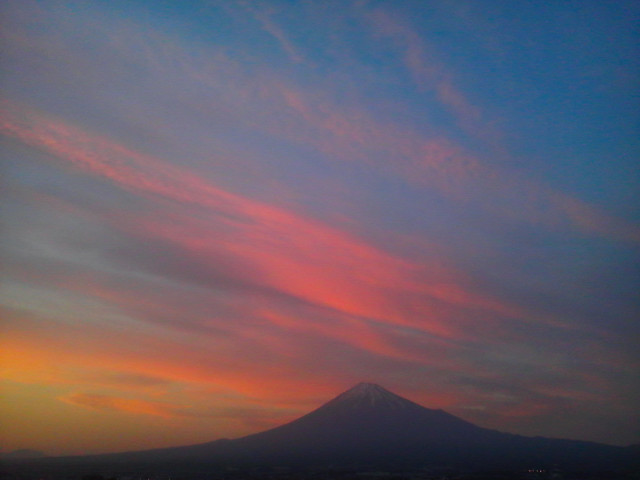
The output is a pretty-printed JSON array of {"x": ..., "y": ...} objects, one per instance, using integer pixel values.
[
  {"x": 370, "y": 394},
  {"x": 368, "y": 389}
]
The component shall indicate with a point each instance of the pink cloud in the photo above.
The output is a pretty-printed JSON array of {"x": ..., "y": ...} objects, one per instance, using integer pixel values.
[
  {"x": 264, "y": 246},
  {"x": 293, "y": 254}
]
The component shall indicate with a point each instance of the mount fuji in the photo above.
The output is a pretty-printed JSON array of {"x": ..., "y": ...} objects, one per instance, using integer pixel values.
[
  {"x": 365, "y": 421},
  {"x": 366, "y": 425},
  {"x": 371, "y": 425}
]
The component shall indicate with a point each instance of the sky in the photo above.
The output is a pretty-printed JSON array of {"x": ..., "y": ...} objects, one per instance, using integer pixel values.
[{"x": 218, "y": 215}]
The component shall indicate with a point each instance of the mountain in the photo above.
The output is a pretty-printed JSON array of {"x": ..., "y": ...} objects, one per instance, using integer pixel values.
[
  {"x": 366, "y": 426},
  {"x": 371, "y": 425},
  {"x": 364, "y": 421}
]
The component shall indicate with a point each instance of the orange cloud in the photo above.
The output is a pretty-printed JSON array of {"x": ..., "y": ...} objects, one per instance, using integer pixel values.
[
  {"x": 171, "y": 410},
  {"x": 45, "y": 351},
  {"x": 129, "y": 405}
]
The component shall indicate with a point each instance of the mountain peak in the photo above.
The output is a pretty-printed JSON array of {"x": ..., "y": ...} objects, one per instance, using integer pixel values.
[
  {"x": 370, "y": 395},
  {"x": 366, "y": 388}
]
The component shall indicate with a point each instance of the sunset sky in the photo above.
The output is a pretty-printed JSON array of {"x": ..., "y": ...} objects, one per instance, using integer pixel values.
[{"x": 217, "y": 215}]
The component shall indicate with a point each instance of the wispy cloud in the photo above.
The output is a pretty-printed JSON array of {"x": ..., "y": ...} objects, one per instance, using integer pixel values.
[
  {"x": 346, "y": 131},
  {"x": 447, "y": 167},
  {"x": 138, "y": 406},
  {"x": 429, "y": 74},
  {"x": 129, "y": 405},
  {"x": 263, "y": 16}
]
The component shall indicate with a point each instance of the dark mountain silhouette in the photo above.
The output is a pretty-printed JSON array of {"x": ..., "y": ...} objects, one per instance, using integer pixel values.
[
  {"x": 368, "y": 425},
  {"x": 365, "y": 420}
]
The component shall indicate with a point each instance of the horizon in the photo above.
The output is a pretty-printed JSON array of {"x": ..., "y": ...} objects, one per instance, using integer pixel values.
[{"x": 215, "y": 214}]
